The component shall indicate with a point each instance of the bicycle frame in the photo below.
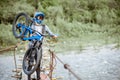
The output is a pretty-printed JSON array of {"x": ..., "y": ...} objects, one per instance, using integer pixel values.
[{"x": 27, "y": 29}]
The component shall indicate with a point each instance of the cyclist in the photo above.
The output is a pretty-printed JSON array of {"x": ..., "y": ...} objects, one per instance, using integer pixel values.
[
  {"x": 39, "y": 17},
  {"x": 38, "y": 26}
]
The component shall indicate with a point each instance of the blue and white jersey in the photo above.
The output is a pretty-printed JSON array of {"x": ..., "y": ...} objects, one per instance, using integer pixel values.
[{"x": 40, "y": 29}]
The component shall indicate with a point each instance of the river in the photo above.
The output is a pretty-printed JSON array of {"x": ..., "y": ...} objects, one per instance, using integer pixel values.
[{"x": 100, "y": 63}]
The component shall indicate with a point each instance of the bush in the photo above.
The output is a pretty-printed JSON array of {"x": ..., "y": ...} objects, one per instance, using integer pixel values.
[
  {"x": 84, "y": 20},
  {"x": 6, "y": 35},
  {"x": 9, "y": 10}
]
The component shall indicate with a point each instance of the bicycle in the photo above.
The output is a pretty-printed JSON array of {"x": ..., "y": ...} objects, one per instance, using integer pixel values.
[{"x": 23, "y": 31}]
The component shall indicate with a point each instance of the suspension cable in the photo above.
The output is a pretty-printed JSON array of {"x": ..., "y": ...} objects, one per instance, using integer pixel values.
[{"x": 66, "y": 66}]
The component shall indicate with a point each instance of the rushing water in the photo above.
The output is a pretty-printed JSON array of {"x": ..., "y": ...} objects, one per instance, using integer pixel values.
[{"x": 91, "y": 64}]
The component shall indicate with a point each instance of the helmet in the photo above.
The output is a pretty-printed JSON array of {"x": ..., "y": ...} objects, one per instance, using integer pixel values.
[{"x": 39, "y": 16}]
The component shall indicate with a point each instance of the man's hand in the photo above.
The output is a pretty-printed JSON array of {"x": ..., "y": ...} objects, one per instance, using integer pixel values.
[{"x": 54, "y": 37}]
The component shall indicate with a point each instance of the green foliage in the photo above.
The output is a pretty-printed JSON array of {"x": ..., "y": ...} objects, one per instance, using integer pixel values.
[
  {"x": 80, "y": 21},
  {"x": 6, "y": 35},
  {"x": 105, "y": 16},
  {"x": 10, "y": 8}
]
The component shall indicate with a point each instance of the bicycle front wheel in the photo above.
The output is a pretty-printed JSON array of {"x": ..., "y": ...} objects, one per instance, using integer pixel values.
[
  {"x": 20, "y": 20},
  {"x": 31, "y": 60}
]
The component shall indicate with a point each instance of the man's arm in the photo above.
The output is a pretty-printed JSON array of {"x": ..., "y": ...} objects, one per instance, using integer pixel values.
[{"x": 48, "y": 31}]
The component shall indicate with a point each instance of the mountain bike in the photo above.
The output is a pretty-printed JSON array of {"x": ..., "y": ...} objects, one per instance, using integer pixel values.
[{"x": 32, "y": 58}]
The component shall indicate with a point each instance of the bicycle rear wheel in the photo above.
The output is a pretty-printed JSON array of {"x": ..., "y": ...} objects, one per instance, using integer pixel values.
[
  {"x": 31, "y": 60},
  {"x": 20, "y": 20}
]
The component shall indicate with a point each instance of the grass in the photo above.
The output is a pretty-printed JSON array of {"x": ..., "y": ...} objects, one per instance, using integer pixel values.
[
  {"x": 6, "y": 36},
  {"x": 72, "y": 36},
  {"x": 85, "y": 40}
]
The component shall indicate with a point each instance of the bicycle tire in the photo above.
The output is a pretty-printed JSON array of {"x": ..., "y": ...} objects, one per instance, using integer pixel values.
[
  {"x": 14, "y": 27},
  {"x": 30, "y": 51}
]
